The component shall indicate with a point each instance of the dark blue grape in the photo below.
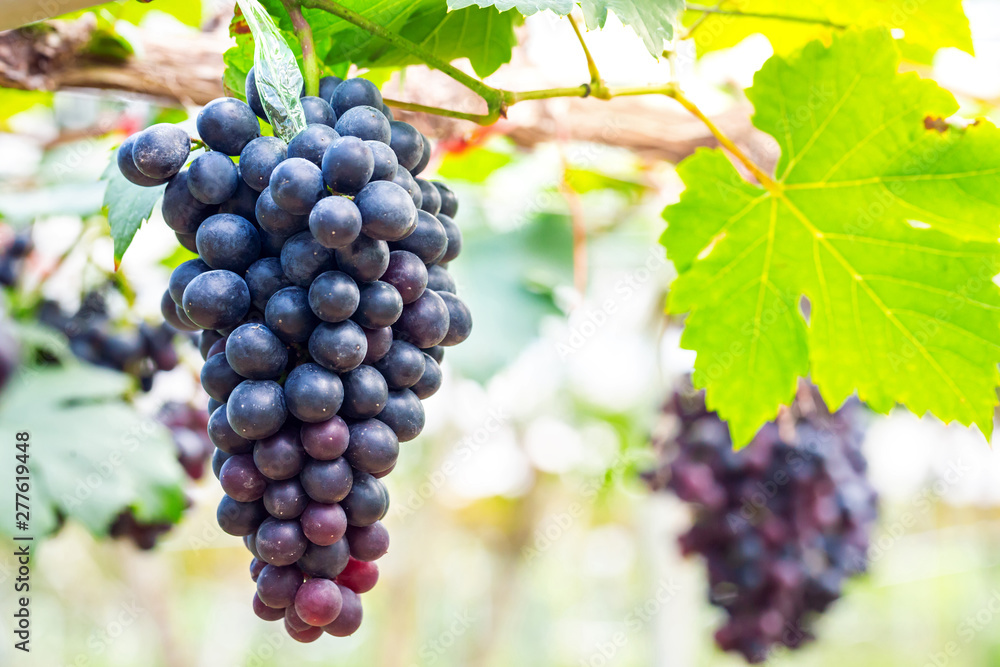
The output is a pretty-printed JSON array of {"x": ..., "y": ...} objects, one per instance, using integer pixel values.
[
  {"x": 312, "y": 143},
  {"x": 218, "y": 378},
  {"x": 364, "y": 122},
  {"x": 126, "y": 165},
  {"x": 404, "y": 414},
  {"x": 303, "y": 259},
  {"x": 430, "y": 195},
  {"x": 436, "y": 353},
  {"x": 212, "y": 178},
  {"x": 407, "y": 274},
  {"x": 430, "y": 381},
  {"x": 384, "y": 160},
  {"x": 428, "y": 241},
  {"x": 402, "y": 366},
  {"x": 271, "y": 244},
  {"x": 258, "y": 160},
  {"x": 379, "y": 305},
  {"x": 449, "y": 200},
  {"x": 161, "y": 150},
  {"x": 228, "y": 241},
  {"x": 365, "y": 260},
  {"x": 368, "y": 500},
  {"x": 407, "y": 143},
  {"x": 348, "y": 165},
  {"x": 339, "y": 347},
  {"x": 334, "y": 296},
  {"x": 256, "y": 353},
  {"x": 289, "y": 316},
  {"x": 216, "y": 299},
  {"x": 454, "y": 234},
  {"x": 219, "y": 459},
  {"x": 285, "y": 499},
  {"x": 387, "y": 211},
  {"x": 256, "y": 409},
  {"x": 173, "y": 315},
  {"x": 459, "y": 320},
  {"x": 387, "y": 112},
  {"x": 276, "y": 220},
  {"x": 227, "y": 125},
  {"x": 187, "y": 241},
  {"x": 313, "y": 394},
  {"x": 183, "y": 274},
  {"x": 326, "y": 562},
  {"x": 280, "y": 542},
  {"x": 404, "y": 180},
  {"x": 354, "y": 93},
  {"x": 327, "y": 481},
  {"x": 277, "y": 586},
  {"x": 296, "y": 185},
  {"x": 424, "y": 322},
  {"x": 335, "y": 222},
  {"x": 365, "y": 393},
  {"x": 206, "y": 340},
  {"x": 224, "y": 437},
  {"x": 181, "y": 211},
  {"x": 379, "y": 341},
  {"x": 425, "y": 157},
  {"x": 238, "y": 518},
  {"x": 253, "y": 95},
  {"x": 439, "y": 280},
  {"x": 327, "y": 85},
  {"x": 264, "y": 278},
  {"x": 318, "y": 111},
  {"x": 280, "y": 456},
  {"x": 243, "y": 203}
]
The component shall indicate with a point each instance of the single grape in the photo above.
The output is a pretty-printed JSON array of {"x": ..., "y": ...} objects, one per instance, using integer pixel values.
[
  {"x": 430, "y": 195},
  {"x": 271, "y": 244},
  {"x": 323, "y": 524},
  {"x": 425, "y": 157},
  {"x": 255, "y": 352},
  {"x": 289, "y": 316},
  {"x": 404, "y": 180},
  {"x": 264, "y": 612},
  {"x": 303, "y": 636},
  {"x": 407, "y": 143},
  {"x": 348, "y": 165},
  {"x": 312, "y": 393},
  {"x": 312, "y": 143},
  {"x": 379, "y": 341},
  {"x": 172, "y": 314},
  {"x": 219, "y": 346},
  {"x": 349, "y": 619},
  {"x": 227, "y": 125},
  {"x": 402, "y": 366},
  {"x": 218, "y": 378},
  {"x": 126, "y": 165},
  {"x": 365, "y": 259},
  {"x": 239, "y": 519},
  {"x": 436, "y": 353},
  {"x": 359, "y": 576},
  {"x": 276, "y": 220},
  {"x": 277, "y": 586},
  {"x": 212, "y": 178},
  {"x": 439, "y": 280},
  {"x": 216, "y": 299},
  {"x": 334, "y": 296},
  {"x": 368, "y": 543},
  {"x": 318, "y": 602},
  {"x": 354, "y": 93},
  {"x": 228, "y": 241},
  {"x": 187, "y": 241},
  {"x": 219, "y": 459},
  {"x": 459, "y": 320},
  {"x": 407, "y": 274},
  {"x": 326, "y": 440},
  {"x": 364, "y": 122},
  {"x": 339, "y": 347},
  {"x": 224, "y": 437},
  {"x": 327, "y": 481},
  {"x": 384, "y": 160},
  {"x": 181, "y": 211},
  {"x": 303, "y": 259},
  {"x": 335, "y": 222},
  {"x": 243, "y": 203},
  {"x": 253, "y": 95},
  {"x": 387, "y": 211},
  {"x": 256, "y": 409},
  {"x": 325, "y": 561},
  {"x": 296, "y": 185},
  {"x": 373, "y": 446},
  {"x": 285, "y": 499},
  {"x": 379, "y": 305},
  {"x": 387, "y": 112},
  {"x": 241, "y": 480},
  {"x": 365, "y": 393},
  {"x": 367, "y": 502},
  {"x": 428, "y": 240},
  {"x": 161, "y": 150},
  {"x": 280, "y": 542},
  {"x": 206, "y": 340},
  {"x": 424, "y": 322},
  {"x": 318, "y": 111},
  {"x": 404, "y": 414},
  {"x": 430, "y": 381},
  {"x": 327, "y": 85},
  {"x": 259, "y": 158},
  {"x": 449, "y": 200},
  {"x": 454, "y": 235},
  {"x": 264, "y": 278},
  {"x": 280, "y": 456},
  {"x": 183, "y": 274}
]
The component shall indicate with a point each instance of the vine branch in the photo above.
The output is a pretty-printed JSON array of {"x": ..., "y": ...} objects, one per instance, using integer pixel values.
[
  {"x": 597, "y": 88},
  {"x": 310, "y": 64},
  {"x": 706, "y": 9}
]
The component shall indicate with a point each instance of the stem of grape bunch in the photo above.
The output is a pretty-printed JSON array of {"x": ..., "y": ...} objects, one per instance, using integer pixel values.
[{"x": 310, "y": 63}]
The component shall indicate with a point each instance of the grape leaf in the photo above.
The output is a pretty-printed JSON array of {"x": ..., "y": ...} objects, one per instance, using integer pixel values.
[
  {"x": 928, "y": 25},
  {"x": 884, "y": 217},
  {"x": 652, "y": 20},
  {"x": 128, "y": 205},
  {"x": 91, "y": 454}
]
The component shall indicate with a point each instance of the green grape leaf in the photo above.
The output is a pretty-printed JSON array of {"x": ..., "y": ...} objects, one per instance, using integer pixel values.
[
  {"x": 881, "y": 215},
  {"x": 128, "y": 206},
  {"x": 927, "y": 26},
  {"x": 91, "y": 454},
  {"x": 652, "y": 20}
]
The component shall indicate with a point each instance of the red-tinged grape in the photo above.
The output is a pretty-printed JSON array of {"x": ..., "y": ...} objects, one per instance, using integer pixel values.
[
  {"x": 349, "y": 619},
  {"x": 318, "y": 602},
  {"x": 360, "y": 576}
]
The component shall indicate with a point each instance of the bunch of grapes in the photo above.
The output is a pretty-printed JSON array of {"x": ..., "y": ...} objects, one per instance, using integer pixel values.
[
  {"x": 324, "y": 298},
  {"x": 781, "y": 523}
]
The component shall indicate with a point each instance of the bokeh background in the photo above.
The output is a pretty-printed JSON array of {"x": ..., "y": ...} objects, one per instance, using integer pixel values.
[{"x": 521, "y": 531}]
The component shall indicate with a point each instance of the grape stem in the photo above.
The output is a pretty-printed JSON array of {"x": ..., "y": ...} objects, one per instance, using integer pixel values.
[
  {"x": 310, "y": 63},
  {"x": 597, "y": 87},
  {"x": 706, "y": 9}
]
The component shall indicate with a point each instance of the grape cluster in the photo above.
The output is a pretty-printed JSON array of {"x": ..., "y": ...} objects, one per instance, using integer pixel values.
[
  {"x": 781, "y": 523},
  {"x": 325, "y": 302}
]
